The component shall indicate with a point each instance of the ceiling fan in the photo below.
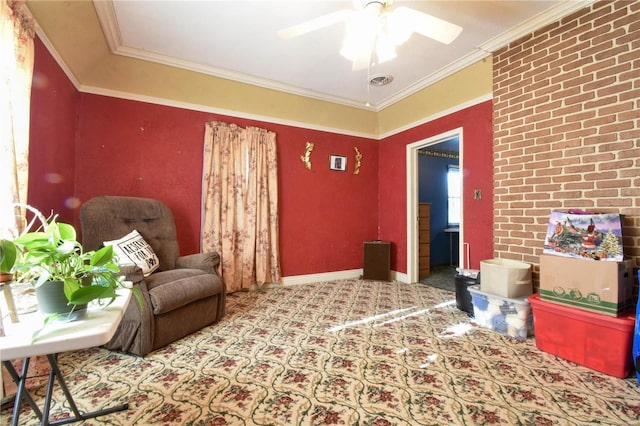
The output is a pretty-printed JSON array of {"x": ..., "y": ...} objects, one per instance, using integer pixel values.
[{"x": 373, "y": 26}]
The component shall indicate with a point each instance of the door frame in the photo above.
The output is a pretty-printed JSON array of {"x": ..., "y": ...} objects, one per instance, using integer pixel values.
[{"x": 412, "y": 198}]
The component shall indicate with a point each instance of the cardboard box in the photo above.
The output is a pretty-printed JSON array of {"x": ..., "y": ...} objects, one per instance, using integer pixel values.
[
  {"x": 508, "y": 316},
  {"x": 602, "y": 287},
  {"x": 589, "y": 339},
  {"x": 505, "y": 277},
  {"x": 593, "y": 236}
]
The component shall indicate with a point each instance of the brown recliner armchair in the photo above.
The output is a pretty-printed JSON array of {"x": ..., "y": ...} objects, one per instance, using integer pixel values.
[{"x": 182, "y": 296}]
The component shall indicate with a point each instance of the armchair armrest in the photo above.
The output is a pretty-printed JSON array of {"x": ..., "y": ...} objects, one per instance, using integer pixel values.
[
  {"x": 132, "y": 273},
  {"x": 207, "y": 262},
  {"x": 136, "y": 330}
]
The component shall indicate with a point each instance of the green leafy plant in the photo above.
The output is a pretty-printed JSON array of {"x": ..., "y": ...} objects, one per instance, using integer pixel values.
[
  {"x": 52, "y": 253},
  {"x": 7, "y": 256}
]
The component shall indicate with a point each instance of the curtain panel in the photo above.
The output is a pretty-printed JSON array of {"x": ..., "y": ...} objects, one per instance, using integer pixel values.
[
  {"x": 17, "y": 29},
  {"x": 240, "y": 203}
]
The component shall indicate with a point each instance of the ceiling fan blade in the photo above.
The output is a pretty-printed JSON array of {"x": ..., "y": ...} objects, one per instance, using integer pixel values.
[
  {"x": 362, "y": 61},
  {"x": 427, "y": 25},
  {"x": 315, "y": 24}
]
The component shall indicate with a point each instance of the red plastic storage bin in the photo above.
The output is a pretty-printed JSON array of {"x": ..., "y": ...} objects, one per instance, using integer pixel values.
[{"x": 596, "y": 341}]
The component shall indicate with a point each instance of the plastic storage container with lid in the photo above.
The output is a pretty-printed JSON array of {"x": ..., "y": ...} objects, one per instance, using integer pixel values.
[{"x": 509, "y": 316}]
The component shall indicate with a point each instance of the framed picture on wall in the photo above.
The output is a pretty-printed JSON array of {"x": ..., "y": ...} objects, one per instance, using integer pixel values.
[{"x": 338, "y": 162}]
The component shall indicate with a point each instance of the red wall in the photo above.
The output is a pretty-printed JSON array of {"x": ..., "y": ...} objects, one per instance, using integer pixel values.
[
  {"x": 477, "y": 174},
  {"x": 140, "y": 149},
  {"x": 84, "y": 145},
  {"x": 52, "y": 138}
]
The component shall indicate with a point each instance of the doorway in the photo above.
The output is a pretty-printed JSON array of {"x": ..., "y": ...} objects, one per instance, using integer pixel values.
[{"x": 412, "y": 152}]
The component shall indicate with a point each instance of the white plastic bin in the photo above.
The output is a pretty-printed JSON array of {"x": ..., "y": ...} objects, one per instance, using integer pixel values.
[{"x": 505, "y": 277}]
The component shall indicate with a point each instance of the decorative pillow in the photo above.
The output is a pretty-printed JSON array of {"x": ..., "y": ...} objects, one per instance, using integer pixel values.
[{"x": 132, "y": 249}]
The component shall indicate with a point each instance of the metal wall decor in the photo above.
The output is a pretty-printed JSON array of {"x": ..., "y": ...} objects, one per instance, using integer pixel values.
[
  {"x": 306, "y": 158},
  {"x": 358, "y": 161}
]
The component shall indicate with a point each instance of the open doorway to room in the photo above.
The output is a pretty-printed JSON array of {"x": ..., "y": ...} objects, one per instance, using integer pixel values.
[{"x": 434, "y": 185}]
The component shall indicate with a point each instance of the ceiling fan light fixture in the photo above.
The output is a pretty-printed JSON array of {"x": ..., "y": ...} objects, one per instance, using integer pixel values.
[
  {"x": 359, "y": 36},
  {"x": 374, "y": 30}
]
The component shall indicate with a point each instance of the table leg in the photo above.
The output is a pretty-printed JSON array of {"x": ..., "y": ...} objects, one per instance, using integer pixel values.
[
  {"x": 11, "y": 305},
  {"x": 21, "y": 392},
  {"x": 53, "y": 375}
]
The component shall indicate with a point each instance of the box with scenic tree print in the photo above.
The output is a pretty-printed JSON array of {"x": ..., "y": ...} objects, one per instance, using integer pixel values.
[{"x": 585, "y": 235}]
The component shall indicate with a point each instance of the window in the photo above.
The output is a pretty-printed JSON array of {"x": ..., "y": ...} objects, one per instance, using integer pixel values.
[{"x": 454, "y": 189}]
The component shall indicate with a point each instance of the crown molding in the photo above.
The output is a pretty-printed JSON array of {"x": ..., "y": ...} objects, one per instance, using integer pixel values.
[
  {"x": 108, "y": 21},
  {"x": 534, "y": 23}
]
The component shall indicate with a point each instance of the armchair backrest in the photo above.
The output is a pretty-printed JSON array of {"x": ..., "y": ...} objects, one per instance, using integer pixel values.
[{"x": 106, "y": 218}]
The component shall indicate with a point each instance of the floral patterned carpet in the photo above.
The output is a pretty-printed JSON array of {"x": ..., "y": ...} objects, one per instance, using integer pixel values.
[{"x": 348, "y": 352}]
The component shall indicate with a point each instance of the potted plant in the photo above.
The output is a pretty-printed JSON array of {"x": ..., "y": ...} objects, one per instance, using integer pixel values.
[{"x": 50, "y": 256}]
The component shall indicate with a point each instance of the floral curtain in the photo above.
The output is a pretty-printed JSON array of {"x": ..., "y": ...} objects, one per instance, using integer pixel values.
[
  {"x": 17, "y": 30},
  {"x": 240, "y": 199}
]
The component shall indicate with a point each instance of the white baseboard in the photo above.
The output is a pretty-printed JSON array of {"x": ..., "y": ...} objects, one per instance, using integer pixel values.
[
  {"x": 336, "y": 275},
  {"x": 325, "y": 276}
]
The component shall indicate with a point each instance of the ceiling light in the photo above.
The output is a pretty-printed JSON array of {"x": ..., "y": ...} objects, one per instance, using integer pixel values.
[{"x": 380, "y": 80}]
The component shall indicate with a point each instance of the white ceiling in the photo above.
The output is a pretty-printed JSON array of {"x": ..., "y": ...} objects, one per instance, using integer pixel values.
[{"x": 238, "y": 40}]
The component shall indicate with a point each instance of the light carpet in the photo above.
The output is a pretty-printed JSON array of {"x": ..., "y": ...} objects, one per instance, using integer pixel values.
[{"x": 349, "y": 352}]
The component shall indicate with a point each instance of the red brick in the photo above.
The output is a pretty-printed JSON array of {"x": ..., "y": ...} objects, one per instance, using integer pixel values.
[
  {"x": 600, "y": 139},
  {"x": 616, "y": 147},
  {"x": 551, "y": 204},
  {"x": 598, "y": 102},
  {"x": 617, "y": 127},
  {"x": 620, "y": 183},
  {"x": 598, "y": 10},
  {"x": 581, "y": 133},
  {"x": 612, "y": 52},
  {"x": 578, "y": 185},
  {"x": 563, "y": 195},
  {"x": 580, "y": 98},
  {"x": 565, "y": 161},
  {"x": 583, "y": 168},
  {"x": 538, "y": 180},
  {"x": 601, "y": 176},
  {"x": 613, "y": 71},
  {"x": 614, "y": 202},
  {"x": 548, "y": 188},
  {"x": 585, "y": 115},
  {"x": 618, "y": 88},
  {"x": 578, "y": 63},
  {"x": 596, "y": 66}
]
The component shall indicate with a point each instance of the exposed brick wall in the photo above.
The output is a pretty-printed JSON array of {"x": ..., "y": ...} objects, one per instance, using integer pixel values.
[{"x": 567, "y": 127}]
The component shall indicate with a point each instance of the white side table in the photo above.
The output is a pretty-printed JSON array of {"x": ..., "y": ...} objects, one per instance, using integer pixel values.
[{"x": 97, "y": 328}]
